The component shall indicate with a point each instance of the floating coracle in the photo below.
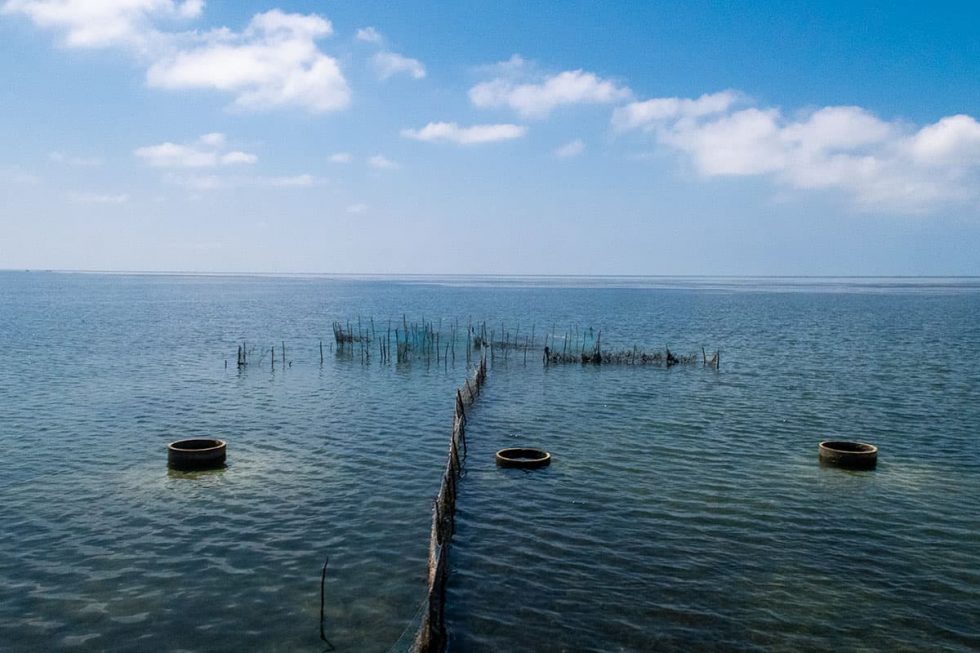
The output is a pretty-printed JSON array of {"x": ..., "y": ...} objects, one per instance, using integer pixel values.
[
  {"x": 852, "y": 455},
  {"x": 523, "y": 457},
  {"x": 198, "y": 453}
]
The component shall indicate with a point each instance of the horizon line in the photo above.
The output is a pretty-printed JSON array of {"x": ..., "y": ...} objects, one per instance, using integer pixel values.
[{"x": 496, "y": 275}]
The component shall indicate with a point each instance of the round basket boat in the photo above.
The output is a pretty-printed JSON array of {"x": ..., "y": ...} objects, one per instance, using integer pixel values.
[
  {"x": 523, "y": 457},
  {"x": 198, "y": 453},
  {"x": 853, "y": 455}
]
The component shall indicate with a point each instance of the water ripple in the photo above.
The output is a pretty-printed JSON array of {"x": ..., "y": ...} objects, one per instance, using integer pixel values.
[{"x": 660, "y": 526}]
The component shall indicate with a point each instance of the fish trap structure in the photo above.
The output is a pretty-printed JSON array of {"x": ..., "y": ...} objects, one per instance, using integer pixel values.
[
  {"x": 431, "y": 634},
  {"x": 431, "y": 342},
  {"x": 633, "y": 356},
  {"x": 408, "y": 340},
  {"x": 664, "y": 358},
  {"x": 347, "y": 336}
]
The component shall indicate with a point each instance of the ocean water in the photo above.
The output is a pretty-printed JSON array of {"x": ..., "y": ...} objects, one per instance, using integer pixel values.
[{"x": 685, "y": 509}]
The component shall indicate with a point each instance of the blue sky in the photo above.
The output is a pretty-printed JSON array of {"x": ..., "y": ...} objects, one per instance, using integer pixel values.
[{"x": 508, "y": 137}]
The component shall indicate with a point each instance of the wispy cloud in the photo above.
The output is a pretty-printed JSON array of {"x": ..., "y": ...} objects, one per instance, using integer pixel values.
[
  {"x": 224, "y": 182},
  {"x": 199, "y": 182},
  {"x": 98, "y": 198},
  {"x": 570, "y": 149},
  {"x": 18, "y": 176},
  {"x": 649, "y": 113},
  {"x": 236, "y": 157},
  {"x": 539, "y": 97},
  {"x": 879, "y": 163},
  {"x": 514, "y": 68},
  {"x": 388, "y": 64},
  {"x": 341, "y": 157},
  {"x": 357, "y": 208},
  {"x": 369, "y": 35},
  {"x": 206, "y": 152},
  {"x": 295, "y": 181},
  {"x": 450, "y": 132},
  {"x": 77, "y": 161},
  {"x": 381, "y": 162}
]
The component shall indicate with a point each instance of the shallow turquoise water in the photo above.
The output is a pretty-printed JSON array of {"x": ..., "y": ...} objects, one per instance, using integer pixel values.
[{"x": 684, "y": 510}]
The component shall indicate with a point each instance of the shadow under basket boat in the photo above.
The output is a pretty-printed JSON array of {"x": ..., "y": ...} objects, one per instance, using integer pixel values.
[
  {"x": 198, "y": 453},
  {"x": 851, "y": 455}
]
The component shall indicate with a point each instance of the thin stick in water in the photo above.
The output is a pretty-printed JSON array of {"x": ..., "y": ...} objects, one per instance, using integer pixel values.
[{"x": 323, "y": 582}]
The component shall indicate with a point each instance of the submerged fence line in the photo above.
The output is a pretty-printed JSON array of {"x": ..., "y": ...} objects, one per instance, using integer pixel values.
[{"x": 431, "y": 634}]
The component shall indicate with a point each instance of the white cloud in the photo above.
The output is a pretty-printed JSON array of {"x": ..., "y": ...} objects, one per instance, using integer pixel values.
[
  {"x": 744, "y": 143},
  {"x": 381, "y": 162},
  {"x": 357, "y": 208},
  {"x": 369, "y": 35},
  {"x": 450, "y": 132},
  {"x": 295, "y": 181},
  {"x": 219, "y": 182},
  {"x": 512, "y": 68},
  {"x": 341, "y": 157},
  {"x": 650, "y": 112},
  {"x": 206, "y": 152},
  {"x": 387, "y": 64},
  {"x": 214, "y": 139},
  {"x": 954, "y": 140},
  {"x": 191, "y": 8},
  {"x": 102, "y": 23},
  {"x": 570, "y": 149},
  {"x": 98, "y": 198},
  {"x": 275, "y": 62},
  {"x": 171, "y": 155},
  {"x": 236, "y": 157},
  {"x": 77, "y": 161},
  {"x": 879, "y": 164},
  {"x": 537, "y": 100}
]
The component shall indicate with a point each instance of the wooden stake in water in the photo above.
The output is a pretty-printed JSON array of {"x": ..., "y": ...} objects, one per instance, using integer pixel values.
[{"x": 323, "y": 582}]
